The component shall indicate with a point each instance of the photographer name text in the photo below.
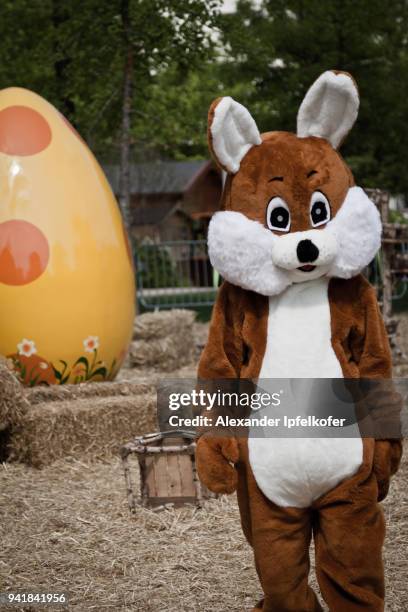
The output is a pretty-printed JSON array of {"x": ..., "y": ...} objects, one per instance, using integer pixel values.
[{"x": 263, "y": 421}]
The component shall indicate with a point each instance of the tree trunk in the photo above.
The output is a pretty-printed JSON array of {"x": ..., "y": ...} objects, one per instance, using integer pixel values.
[{"x": 124, "y": 169}]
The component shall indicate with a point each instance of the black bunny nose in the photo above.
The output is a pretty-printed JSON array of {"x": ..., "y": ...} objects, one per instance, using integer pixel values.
[{"x": 307, "y": 251}]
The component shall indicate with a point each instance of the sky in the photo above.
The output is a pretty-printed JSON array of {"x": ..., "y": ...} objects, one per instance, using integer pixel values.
[{"x": 228, "y": 6}]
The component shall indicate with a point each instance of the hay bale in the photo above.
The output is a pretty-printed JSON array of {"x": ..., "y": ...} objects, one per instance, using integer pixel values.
[
  {"x": 92, "y": 427},
  {"x": 56, "y": 393},
  {"x": 156, "y": 325},
  {"x": 163, "y": 340},
  {"x": 13, "y": 404}
]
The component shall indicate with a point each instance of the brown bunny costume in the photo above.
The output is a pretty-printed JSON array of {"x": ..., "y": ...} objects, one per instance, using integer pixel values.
[{"x": 290, "y": 242}]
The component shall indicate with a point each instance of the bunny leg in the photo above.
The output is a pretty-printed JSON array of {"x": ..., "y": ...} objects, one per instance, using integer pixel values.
[{"x": 280, "y": 538}]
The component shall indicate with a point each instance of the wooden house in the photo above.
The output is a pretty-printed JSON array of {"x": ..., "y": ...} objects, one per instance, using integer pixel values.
[{"x": 171, "y": 200}]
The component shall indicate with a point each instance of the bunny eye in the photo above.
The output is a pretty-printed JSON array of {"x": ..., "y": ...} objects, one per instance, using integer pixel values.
[
  {"x": 319, "y": 209},
  {"x": 278, "y": 215}
]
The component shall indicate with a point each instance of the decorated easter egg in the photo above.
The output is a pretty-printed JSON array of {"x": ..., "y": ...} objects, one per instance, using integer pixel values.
[{"x": 67, "y": 289}]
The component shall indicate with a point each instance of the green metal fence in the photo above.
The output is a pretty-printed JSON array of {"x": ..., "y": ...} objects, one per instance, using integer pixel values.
[{"x": 174, "y": 274}]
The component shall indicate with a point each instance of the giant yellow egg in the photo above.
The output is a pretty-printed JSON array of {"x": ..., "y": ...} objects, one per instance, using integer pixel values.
[{"x": 67, "y": 289}]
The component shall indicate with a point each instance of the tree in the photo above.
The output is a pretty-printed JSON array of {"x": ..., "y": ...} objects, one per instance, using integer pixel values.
[
  {"x": 26, "y": 46},
  {"x": 171, "y": 122},
  {"x": 121, "y": 47},
  {"x": 279, "y": 47}
]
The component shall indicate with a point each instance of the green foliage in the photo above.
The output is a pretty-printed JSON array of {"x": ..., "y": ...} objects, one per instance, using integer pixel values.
[
  {"x": 396, "y": 216},
  {"x": 162, "y": 32},
  {"x": 156, "y": 267},
  {"x": 267, "y": 54},
  {"x": 175, "y": 108},
  {"x": 281, "y": 46},
  {"x": 73, "y": 54},
  {"x": 26, "y": 45}
]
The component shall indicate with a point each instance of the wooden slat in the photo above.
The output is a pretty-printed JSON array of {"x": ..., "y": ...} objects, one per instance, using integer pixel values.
[
  {"x": 161, "y": 476},
  {"x": 150, "y": 479},
  {"x": 175, "y": 484},
  {"x": 186, "y": 474}
]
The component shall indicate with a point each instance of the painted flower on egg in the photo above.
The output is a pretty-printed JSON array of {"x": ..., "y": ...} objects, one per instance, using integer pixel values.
[
  {"x": 67, "y": 289},
  {"x": 26, "y": 348},
  {"x": 91, "y": 344}
]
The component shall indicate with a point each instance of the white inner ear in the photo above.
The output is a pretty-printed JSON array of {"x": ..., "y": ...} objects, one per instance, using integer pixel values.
[
  {"x": 233, "y": 132},
  {"x": 329, "y": 108}
]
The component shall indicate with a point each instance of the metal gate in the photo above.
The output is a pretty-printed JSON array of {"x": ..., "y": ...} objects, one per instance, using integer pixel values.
[{"x": 174, "y": 274}]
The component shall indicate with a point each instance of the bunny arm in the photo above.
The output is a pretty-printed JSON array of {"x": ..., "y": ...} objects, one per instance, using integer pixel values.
[
  {"x": 215, "y": 459},
  {"x": 375, "y": 363},
  {"x": 222, "y": 358},
  {"x": 223, "y": 354},
  {"x": 387, "y": 457}
]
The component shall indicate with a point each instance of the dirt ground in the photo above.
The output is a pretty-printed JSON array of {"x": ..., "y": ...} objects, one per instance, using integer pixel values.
[{"x": 67, "y": 528}]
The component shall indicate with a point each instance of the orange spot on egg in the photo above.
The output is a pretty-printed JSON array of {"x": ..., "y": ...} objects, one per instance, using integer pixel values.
[
  {"x": 23, "y": 131},
  {"x": 24, "y": 252}
]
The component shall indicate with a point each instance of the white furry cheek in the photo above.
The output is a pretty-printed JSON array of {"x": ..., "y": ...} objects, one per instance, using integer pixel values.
[
  {"x": 357, "y": 230},
  {"x": 284, "y": 251},
  {"x": 285, "y": 258},
  {"x": 241, "y": 251}
]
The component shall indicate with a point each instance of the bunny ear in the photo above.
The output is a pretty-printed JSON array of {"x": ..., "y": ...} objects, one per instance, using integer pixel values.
[
  {"x": 329, "y": 108},
  {"x": 231, "y": 133}
]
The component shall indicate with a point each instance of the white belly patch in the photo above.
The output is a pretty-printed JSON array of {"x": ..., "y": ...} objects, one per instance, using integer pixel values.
[{"x": 290, "y": 471}]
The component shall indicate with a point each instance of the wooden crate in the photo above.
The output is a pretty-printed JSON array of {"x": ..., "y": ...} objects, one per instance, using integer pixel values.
[{"x": 168, "y": 474}]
